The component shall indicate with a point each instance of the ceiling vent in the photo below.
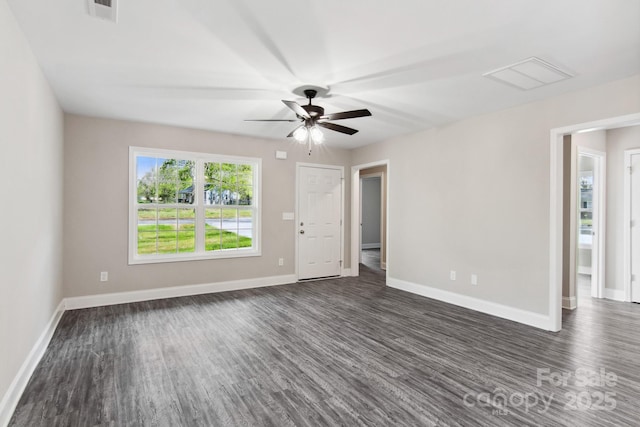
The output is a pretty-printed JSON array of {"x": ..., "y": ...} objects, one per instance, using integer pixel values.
[
  {"x": 529, "y": 74},
  {"x": 103, "y": 9}
]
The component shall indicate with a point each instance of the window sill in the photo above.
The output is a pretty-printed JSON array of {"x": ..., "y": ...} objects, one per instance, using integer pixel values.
[{"x": 225, "y": 254}]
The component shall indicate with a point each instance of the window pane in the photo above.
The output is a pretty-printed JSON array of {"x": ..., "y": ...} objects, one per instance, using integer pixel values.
[
  {"x": 186, "y": 192},
  {"x": 146, "y": 241},
  {"x": 186, "y": 219},
  {"x": 186, "y": 241},
  {"x": 212, "y": 173},
  {"x": 245, "y": 238},
  {"x": 168, "y": 216},
  {"x": 186, "y": 230},
  {"x": 147, "y": 217},
  {"x": 146, "y": 189},
  {"x": 211, "y": 238},
  {"x": 245, "y": 219},
  {"x": 211, "y": 194},
  {"x": 167, "y": 240},
  {"x": 229, "y": 184},
  {"x": 229, "y": 240},
  {"x": 245, "y": 185},
  {"x": 213, "y": 217},
  {"x": 167, "y": 192},
  {"x": 230, "y": 221}
]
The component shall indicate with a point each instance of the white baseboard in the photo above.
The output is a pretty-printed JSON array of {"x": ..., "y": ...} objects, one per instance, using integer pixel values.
[
  {"x": 74, "y": 303},
  {"x": 370, "y": 246},
  {"x": 614, "y": 294},
  {"x": 569, "y": 303},
  {"x": 510, "y": 313},
  {"x": 383, "y": 265},
  {"x": 12, "y": 396}
]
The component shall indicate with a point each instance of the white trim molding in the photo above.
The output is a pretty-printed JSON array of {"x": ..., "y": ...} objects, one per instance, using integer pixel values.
[
  {"x": 615, "y": 294},
  {"x": 12, "y": 396},
  {"x": 570, "y": 303},
  {"x": 510, "y": 313},
  {"x": 99, "y": 300}
]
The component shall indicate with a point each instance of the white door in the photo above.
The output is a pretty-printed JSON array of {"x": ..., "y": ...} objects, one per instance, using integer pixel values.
[
  {"x": 319, "y": 214},
  {"x": 635, "y": 228}
]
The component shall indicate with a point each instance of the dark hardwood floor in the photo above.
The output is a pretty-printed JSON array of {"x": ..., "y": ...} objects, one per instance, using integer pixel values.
[
  {"x": 371, "y": 258},
  {"x": 337, "y": 352}
]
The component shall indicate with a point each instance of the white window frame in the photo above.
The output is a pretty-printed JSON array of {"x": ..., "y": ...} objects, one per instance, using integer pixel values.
[{"x": 198, "y": 206}]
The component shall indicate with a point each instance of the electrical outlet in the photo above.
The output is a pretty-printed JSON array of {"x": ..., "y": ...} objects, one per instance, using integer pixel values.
[
  {"x": 280, "y": 262},
  {"x": 104, "y": 276},
  {"x": 474, "y": 279},
  {"x": 452, "y": 275}
]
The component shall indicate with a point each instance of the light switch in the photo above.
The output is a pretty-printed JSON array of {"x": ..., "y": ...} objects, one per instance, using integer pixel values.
[{"x": 288, "y": 216}]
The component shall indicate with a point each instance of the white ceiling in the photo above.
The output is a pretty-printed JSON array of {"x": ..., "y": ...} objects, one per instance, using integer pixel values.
[{"x": 415, "y": 64}]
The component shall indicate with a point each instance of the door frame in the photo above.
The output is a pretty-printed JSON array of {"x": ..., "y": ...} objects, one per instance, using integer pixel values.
[
  {"x": 626, "y": 222},
  {"x": 599, "y": 173},
  {"x": 355, "y": 214},
  {"x": 382, "y": 237},
  {"x": 556, "y": 202},
  {"x": 343, "y": 271}
]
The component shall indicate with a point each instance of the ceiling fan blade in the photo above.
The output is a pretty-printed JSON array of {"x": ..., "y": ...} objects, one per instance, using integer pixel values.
[
  {"x": 271, "y": 120},
  {"x": 297, "y": 109},
  {"x": 347, "y": 115},
  {"x": 337, "y": 128},
  {"x": 293, "y": 131}
]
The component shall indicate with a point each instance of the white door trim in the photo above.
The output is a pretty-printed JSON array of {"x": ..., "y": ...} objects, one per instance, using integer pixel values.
[
  {"x": 355, "y": 213},
  {"x": 555, "y": 206},
  {"x": 343, "y": 271},
  {"x": 626, "y": 222},
  {"x": 599, "y": 191}
]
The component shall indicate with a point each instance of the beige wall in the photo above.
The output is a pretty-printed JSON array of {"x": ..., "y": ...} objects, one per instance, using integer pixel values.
[
  {"x": 96, "y": 205},
  {"x": 474, "y": 196},
  {"x": 594, "y": 140},
  {"x": 31, "y": 194},
  {"x": 618, "y": 140},
  {"x": 371, "y": 210}
]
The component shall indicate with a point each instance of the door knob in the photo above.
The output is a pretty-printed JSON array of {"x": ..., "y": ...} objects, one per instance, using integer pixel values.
[{"x": 301, "y": 231}]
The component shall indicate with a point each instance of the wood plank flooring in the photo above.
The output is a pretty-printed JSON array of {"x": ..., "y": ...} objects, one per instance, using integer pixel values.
[{"x": 338, "y": 352}]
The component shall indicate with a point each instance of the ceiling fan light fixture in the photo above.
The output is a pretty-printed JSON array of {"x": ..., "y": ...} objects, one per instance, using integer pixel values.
[
  {"x": 301, "y": 134},
  {"x": 316, "y": 135}
]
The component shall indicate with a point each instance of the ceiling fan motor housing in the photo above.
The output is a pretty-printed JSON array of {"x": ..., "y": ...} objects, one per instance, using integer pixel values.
[{"x": 313, "y": 110}]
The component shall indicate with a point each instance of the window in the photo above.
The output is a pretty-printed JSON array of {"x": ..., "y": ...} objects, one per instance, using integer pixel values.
[
  {"x": 586, "y": 207},
  {"x": 187, "y": 206}
]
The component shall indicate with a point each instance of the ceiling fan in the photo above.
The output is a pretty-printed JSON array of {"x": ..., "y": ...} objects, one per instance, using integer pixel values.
[{"x": 313, "y": 117}]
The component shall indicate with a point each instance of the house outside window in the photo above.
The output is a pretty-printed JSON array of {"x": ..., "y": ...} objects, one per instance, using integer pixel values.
[{"x": 187, "y": 206}]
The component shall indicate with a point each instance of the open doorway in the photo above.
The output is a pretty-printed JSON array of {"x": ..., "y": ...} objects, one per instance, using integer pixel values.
[
  {"x": 591, "y": 183},
  {"x": 620, "y": 134},
  {"x": 369, "y": 220},
  {"x": 584, "y": 217},
  {"x": 372, "y": 212}
]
